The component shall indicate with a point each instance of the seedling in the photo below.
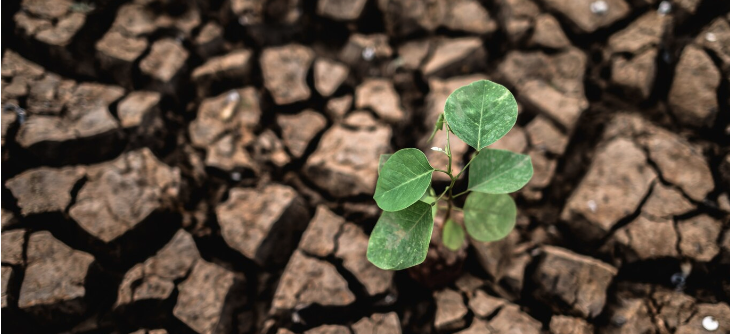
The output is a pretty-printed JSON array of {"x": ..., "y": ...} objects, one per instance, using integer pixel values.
[{"x": 479, "y": 114}]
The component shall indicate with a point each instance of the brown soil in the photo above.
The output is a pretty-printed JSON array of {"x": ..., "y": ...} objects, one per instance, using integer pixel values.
[{"x": 207, "y": 167}]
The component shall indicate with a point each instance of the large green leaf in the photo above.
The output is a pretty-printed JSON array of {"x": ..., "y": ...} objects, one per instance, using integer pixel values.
[
  {"x": 489, "y": 217},
  {"x": 480, "y": 113},
  {"x": 499, "y": 171},
  {"x": 400, "y": 239},
  {"x": 453, "y": 236},
  {"x": 404, "y": 178}
]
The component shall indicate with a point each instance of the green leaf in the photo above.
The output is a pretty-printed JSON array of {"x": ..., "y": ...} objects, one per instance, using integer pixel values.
[
  {"x": 453, "y": 235},
  {"x": 480, "y": 113},
  {"x": 437, "y": 127},
  {"x": 404, "y": 178},
  {"x": 400, "y": 239},
  {"x": 489, "y": 217},
  {"x": 383, "y": 159},
  {"x": 499, "y": 171}
]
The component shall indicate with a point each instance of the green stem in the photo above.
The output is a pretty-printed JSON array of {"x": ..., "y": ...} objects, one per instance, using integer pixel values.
[
  {"x": 467, "y": 164},
  {"x": 461, "y": 193},
  {"x": 439, "y": 198},
  {"x": 443, "y": 171}
]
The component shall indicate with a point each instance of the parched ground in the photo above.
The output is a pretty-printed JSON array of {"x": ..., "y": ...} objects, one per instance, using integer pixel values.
[{"x": 207, "y": 166}]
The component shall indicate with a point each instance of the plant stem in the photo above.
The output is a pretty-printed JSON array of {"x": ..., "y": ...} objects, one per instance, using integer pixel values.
[
  {"x": 442, "y": 195},
  {"x": 467, "y": 164},
  {"x": 461, "y": 193}
]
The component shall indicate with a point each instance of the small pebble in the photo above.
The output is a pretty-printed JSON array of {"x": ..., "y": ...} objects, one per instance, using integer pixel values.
[
  {"x": 710, "y": 37},
  {"x": 236, "y": 176},
  {"x": 678, "y": 280},
  {"x": 599, "y": 7},
  {"x": 664, "y": 7},
  {"x": 592, "y": 206},
  {"x": 709, "y": 323},
  {"x": 368, "y": 53}
]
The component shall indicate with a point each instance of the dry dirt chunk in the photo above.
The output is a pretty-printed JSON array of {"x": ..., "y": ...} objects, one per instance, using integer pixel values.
[
  {"x": 299, "y": 130},
  {"x": 560, "y": 324},
  {"x": 648, "y": 238},
  {"x": 378, "y": 323},
  {"x": 329, "y": 329},
  {"x": 548, "y": 33},
  {"x": 155, "y": 278},
  {"x": 15, "y": 65},
  {"x": 380, "y": 96},
  {"x": 675, "y": 308},
  {"x": 49, "y": 95},
  {"x": 346, "y": 161},
  {"x": 319, "y": 237},
  {"x": 646, "y": 32},
  {"x": 235, "y": 64},
  {"x": 494, "y": 256},
  {"x": 224, "y": 126},
  {"x": 307, "y": 281},
  {"x": 285, "y": 72},
  {"x": 55, "y": 277},
  {"x": 360, "y": 119},
  {"x": 698, "y": 237},
  {"x": 337, "y": 107},
  {"x": 617, "y": 181},
  {"x": 202, "y": 303},
  {"x": 450, "y": 310},
  {"x": 209, "y": 40},
  {"x": 716, "y": 38},
  {"x": 635, "y": 75},
  {"x": 469, "y": 16},
  {"x": 405, "y": 17},
  {"x": 517, "y": 17},
  {"x": 629, "y": 316},
  {"x": 693, "y": 95},
  {"x": 7, "y": 274},
  {"x": 118, "y": 50},
  {"x": 134, "y": 20},
  {"x": 456, "y": 55},
  {"x": 680, "y": 163},
  {"x": 352, "y": 245},
  {"x": 262, "y": 224},
  {"x": 44, "y": 189},
  {"x": 365, "y": 47},
  {"x": 12, "y": 247},
  {"x": 341, "y": 10},
  {"x": 511, "y": 320},
  {"x": 665, "y": 202},
  {"x": 550, "y": 84},
  {"x": 477, "y": 327},
  {"x": 698, "y": 324},
  {"x": 121, "y": 194},
  {"x": 544, "y": 135},
  {"x": 484, "y": 305},
  {"x": 588, "y": 17},
  {"x": 137, "y": 108},
  {"x": 412, "y": 53},
  {"x": 62, "y": 33},
  {"x": 268, "y": 148},
  {"x": 578, "y": 282},
  {"x": 87, "y": 115},
  {"x": 48, "y": 10},
  {"x": 329, "y": 75},
  {"x": 165, "y": 61}
]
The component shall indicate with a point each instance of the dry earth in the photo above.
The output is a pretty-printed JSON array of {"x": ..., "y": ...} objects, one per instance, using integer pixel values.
[{"x": 207, "y": 166}]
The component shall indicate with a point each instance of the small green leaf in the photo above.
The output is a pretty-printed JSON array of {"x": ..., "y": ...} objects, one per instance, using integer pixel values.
[
  {"x": 499, "y": 171},
  {"x": 400, "y": 239},
  {"x": 437, "y": 127},
  {"x": 480, "y": 113},
  {"x": 453, "y": 235},
  {"x": 404, "y": 178},
  {"x": 383, "y": 159},
  {"x": 489, "y": 217}
]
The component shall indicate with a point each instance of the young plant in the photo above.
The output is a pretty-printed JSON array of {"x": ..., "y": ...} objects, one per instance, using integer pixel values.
[{"x": 479, "y": 114}]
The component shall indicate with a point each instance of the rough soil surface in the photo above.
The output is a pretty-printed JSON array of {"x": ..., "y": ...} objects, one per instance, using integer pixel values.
[{"x": 208, "y": 166}]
